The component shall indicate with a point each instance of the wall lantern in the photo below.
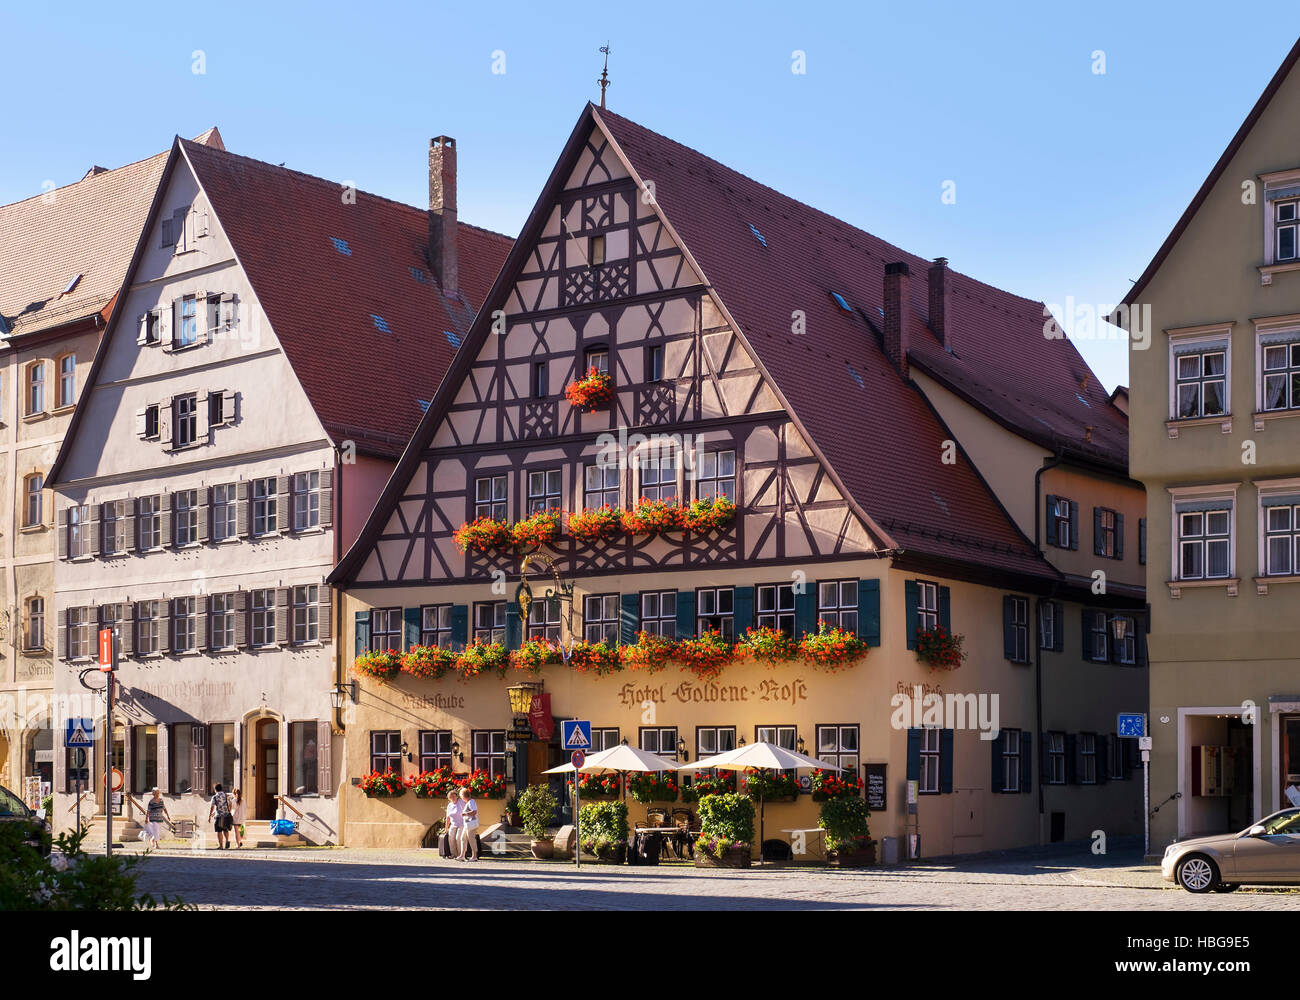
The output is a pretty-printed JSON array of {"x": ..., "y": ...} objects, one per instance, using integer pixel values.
[
  {"x": 341, "y": 693},
  {"x": 801, "y": 746},
  {"x": 1119, "y": 627},
  {"x": 455, "y": 752},
  {"x": 406, "y": 750},
  {"x": 521, "y": 697},
  {"x": 741, "y": 741},
  {"x": 681, "y": 750}
]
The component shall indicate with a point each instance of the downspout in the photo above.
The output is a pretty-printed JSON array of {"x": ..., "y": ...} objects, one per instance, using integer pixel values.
[
  {"x": 336, "y": 602},
  {"x": 1038, "y": 650}
]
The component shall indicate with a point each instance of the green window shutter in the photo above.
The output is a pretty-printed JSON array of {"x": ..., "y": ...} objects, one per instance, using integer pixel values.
[
  {"x": 947, "y": 759},
  {"x": 911, "y": 594},
  {"x": 1058, "y": 645},
  {"x": 410, "y": 628},
  {"x": 361, "y": 631},
  {"x": 869, "y": 612},
  {"x": 1026, "y": 761},
  {"x": 1008, "y": 627},
  {"x": 914, "y": 755},
  {"x": 1103, "y": 759},
  {"x": 459, "y": 625},
  {"x": 629, "y": 618},
  {"x": 1086, "y": 638},
  {"x": 1098, "y": 548},
  {"x": 805, "y": 611},
  {"x": 514, "y": 630},
  {"x": 742, "y": 610},
  {"x": 1074, "y": 525},
  {"x": 1071, "y": 759},
  {"x": 685, "y": 614},
  {"x": 1119, "y": 536},
  {"x": 1050, "y": 517},
  {"x": 945, "y": 608},
  {"x": 996, "y": 775}
]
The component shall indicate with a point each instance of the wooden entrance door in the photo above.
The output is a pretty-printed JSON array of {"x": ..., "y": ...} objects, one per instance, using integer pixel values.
[
  {"x": 266, "y": 769},
  {"x": 1290, "y": 725}
]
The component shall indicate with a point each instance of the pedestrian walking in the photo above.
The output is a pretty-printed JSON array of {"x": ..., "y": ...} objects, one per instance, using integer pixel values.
[
  {"x": 455, "y": 816},
  {"x": 447, "y": 843},
  {"x": 237, "y": 817},
  {"x": 155, "y": 816},
  {"x": 220, "y": 808},
  {"x": 469, "y": 826}
]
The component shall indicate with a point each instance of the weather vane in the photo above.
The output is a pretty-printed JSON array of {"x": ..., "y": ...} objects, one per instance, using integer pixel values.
[{"x": 604, "y": 74}]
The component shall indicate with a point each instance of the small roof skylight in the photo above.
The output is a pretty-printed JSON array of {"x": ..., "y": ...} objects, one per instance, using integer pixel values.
[
  {"x": 452, "y": 339},
  {"x": 381, "y": 324},
  {"x": 853, "y": 372},
  {"x": 839, "y": 300},
  {"x": 418, "y": 274},
  {"x": 72, "y": 284},
  {"x": 341, "y": 246},
  {"x": 757, "y": 235}
]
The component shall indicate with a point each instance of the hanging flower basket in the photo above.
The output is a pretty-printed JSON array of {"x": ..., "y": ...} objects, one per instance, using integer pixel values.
[
  {"x": 539, "y": 529},
  {"x": 767, "y": 645},
  {"x": 650, "y": 652},
  {"x": 707, "y": 655},
  {"x": 834, "y": 784},
  {"x": 654, "y": 517},
  {"x": 483, "y": 535},
  {"x": 480, "y": 657},
  {"x": 591, "y": 392},
  {"x": 381, "y": 664},
  {"x": 429, "y": 662},
  {"x": 832, "y": 647},
  {"x": 594, "y": 657},
  {"x": 940, "y": 648},
  {"x": 432, "y": 784},
  {"x": 534, "y": 654},
  {"x": 596, "y": 524},
  {"x": 648, "y": 786},
  {"x": 710, "y": 515},
  {"x": 386, "y": 785}
]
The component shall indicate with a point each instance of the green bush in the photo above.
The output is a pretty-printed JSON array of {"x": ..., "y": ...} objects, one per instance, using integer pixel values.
[
  {"x": 844, "y": 819},
  {"x": 726, "y": 821},
  {"x": 603, "y": 825},
  {"x": 537, "y": 805}
]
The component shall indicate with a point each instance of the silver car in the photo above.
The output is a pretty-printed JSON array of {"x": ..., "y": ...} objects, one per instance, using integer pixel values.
[{"x": 1266, "y": 854}]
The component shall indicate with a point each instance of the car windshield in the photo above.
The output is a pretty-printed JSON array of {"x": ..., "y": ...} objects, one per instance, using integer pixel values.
[
  {"x": 1287, "y": 822},
  {"x": 11, "y": 804}
]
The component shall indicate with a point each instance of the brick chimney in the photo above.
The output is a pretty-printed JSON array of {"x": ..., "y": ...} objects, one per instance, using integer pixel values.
[
  {"x": 898, "y": 293},
  {"x": 940, "y": 287},
  {"x": 442, "y": 212}
]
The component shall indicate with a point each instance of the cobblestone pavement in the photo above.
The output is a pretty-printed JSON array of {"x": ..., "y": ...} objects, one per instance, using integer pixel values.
[{"x": 353, "y": 878}]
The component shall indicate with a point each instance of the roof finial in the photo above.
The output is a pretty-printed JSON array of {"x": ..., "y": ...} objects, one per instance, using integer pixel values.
[{"x": 604, "y": 74}]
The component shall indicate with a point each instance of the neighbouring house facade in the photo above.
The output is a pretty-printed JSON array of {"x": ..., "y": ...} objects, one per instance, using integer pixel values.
[
  {"x": 848, "y": 398},
  {"x": 62, "y": 263},
  {"x": 227, "y": 449},
  {"x": 1215, "y": 370}
]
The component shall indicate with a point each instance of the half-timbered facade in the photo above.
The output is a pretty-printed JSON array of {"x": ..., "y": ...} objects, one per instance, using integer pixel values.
[{"x": 755, "y": 349}]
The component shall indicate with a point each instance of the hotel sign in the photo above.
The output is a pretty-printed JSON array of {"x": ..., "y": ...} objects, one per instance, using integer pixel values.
[{"x": 689, "y": 692}]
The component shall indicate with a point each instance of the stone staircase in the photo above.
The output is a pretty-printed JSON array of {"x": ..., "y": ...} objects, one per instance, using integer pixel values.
[{"x": 126, "y": 832}]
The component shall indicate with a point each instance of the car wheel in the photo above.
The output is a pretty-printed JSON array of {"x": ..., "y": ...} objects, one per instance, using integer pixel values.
[
  {"x": 1225, "y": 887},
  {"x": 1197, "y": 873}
]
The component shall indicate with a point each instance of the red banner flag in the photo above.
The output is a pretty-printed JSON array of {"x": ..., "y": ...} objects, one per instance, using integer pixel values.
[{"x": 539, "y": 717}]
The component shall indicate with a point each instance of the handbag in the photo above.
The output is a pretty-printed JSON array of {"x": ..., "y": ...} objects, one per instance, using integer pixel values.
[{"x": 283, "y": 827}]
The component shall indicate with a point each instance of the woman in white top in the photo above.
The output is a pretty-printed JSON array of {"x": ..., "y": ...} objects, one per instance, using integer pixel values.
[
  {"x": 469, "y": 826},
  {"x": 237, "y": 814},
  {"x": 454, "y": 808}
]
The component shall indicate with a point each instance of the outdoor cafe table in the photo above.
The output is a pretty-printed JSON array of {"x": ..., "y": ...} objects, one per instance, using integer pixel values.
[
  {"x": 814, "y": 829},
  {"x": 669, "y": 833}
]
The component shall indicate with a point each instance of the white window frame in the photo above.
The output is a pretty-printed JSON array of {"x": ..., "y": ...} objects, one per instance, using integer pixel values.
[
  {"x": 1020, "y": 625},
  {"x": 605, "y": 490},
  {"x": 774, "y": 607},
  {"x": 655, "y": 623},
  {"x": 482, "y": 630},
  {"x": 545, "y": 490},
  {"x": 261, "y": 615},
  {"x": 658, "y": 474},
  {"x": 224, "y": 513},
  {"x": 221, "y": 621},
  {"x": 1285, "y": 327},
  {"x": 491, "y": 501},
  {"x": 726, "y": 620},
  {"x": 601, "y": 615},
  {"x": 185, "y": 518},
  {"x": 306, "y": 615},
  {"x": 1264, "y": 491},
  {"x": 1010, "y": 759},
  {"x": 927, "y": 605},
  {"x": 545, "y": 620},
  {"x": 270, "y": 513},
  {"x": 1210, "y": 338},
  {"x": 931, "y": 761},
  {"x": 1047, "y": 625},
  {"x": 1272, "y": 182},
  {"x": 1087, "y": 758},
  {"x": 832, "y": 606},
  {"x": 306, "y": 500},
  {"x": 1227, "y": 496},
  {"x": 707, "y": 472},
  {"x": 185, "y": 618},
  {"x": 1055, "y": 758}
]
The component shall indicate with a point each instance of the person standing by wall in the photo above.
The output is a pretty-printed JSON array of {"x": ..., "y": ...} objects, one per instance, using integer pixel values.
[
  {"x": 156, "y": 814},
  {"x": 469, "y": 826},
  {"x": 449, "y": 842}
]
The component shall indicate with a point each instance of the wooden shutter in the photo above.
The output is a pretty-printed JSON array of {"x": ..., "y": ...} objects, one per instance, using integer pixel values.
[
  {"x": 1119, "y": 536},
  {"x": 199, "y": 759},
  {"x": 1009, "y": 627},
  {"x": 1026, "y": 762},
  {"x": 947, "y": 760},
  {"x": 1102, "y": 747},
  {"x": 869, "y": 612},
  {"x": 243, "y": 515},
  {"x": 93, "y": 526},
  {"x": 130, "y": 536},
  {"x": 805, "y": 611},
  {"x": 1059, "y": 632},
  {"x": 685, "y": 614},
  {"x": 324, "y": 759},
  {"x": 914, "y": 754},
  {"x": 165, "y": 625},
  {"x": 241, "y": 618},
  {"x": 142, "y": 423},
  {"x": 411, "y": 627},
  {"x": 282, "y": 636},
  {"x": 327, "y": 498},
  {"x": 227, "y": 407},
  {"x": 165, "y": 422},
  {"x": 62, "y": 533},
  {"x": 459, "y": 626},
  {"x": 325, "y": 614},
  {"x": 142, "y": 330},
  {"x": 1140, "y": 627},
  {"x": 204, "y": 497},
  {"x": 629, "y": 618},
  {"x": 996, "y": 774},
  {"x": 164, "y": 325},
  {"x": 742, "y": 610},
  {"x": 61, "y": 630},
  {"x": 165, "y": 501},
  {"x": 1071, "y": 759},
  {"x": 202, "y": 608},
  {"x": 169, "y": 334},
  {"x": 1050, "y": 519},
  {"x": 911, "y": 596},
  {"x": 1142, "y": 541},
  {"x": 227, "y": 311},
  {"x": 127, "y": 628},
  {"x": 945, "y": 608},
  {"x": 1085, "y": 624},
  {"x": 202, "y": 428},
  {"x": 213, "y": 310},
  {"x": 1074, "y": 525},
  {"x": 283, "y": 504},
  {"x": 513, "y": 625},
  {"x": 361, "y": 632},
  {"x": 1098, "y": 533}
]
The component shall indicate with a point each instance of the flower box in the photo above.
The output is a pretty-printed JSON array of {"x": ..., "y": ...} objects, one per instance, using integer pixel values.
[
  {"x": 483, "y": 535},
  {"x": 648, "y": 786},
  {"x": 767, "y": 645},
  {"x": 709, "y": 784},
  {"x": 429, "y": 662},
  {"x": 707, "y": 655},
  {"x": 479, "y": 657},
  {"x": 432, "y": 784},
  {"x": 594, "y": 657},
  {"x": 832, "y": 647},
  {"x": 654, "y": 517},
  {"x": 771, "y": 787},
  {"x": 483, "y": 784},
  {"x": 650, "y": 652},
  {"x": 597, "y": 786},
  {"x": 592, "y": 391},
  {"x": 940, "y": 648},
  {"x": 857, "y": 857},
  {"x": 710, "y": 515},
  {"x": 596, "y": 524},
  {"x": 534, "y": 654},
  {"x": 539, "y": 529},
  {"x": 834, "y": 784},
  {"x": 379, "y": 664},
  {"x": 385, "y": 785}
]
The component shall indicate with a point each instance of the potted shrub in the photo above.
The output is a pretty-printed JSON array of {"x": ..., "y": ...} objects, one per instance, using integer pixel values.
[
  {"x": 596, "y": 524},
  {"x": 382, "y": 785},
  {"x": 848, "y": 842},
  {"x": 940, "y": 648},
  {"x": 536, "y": 807},
  {"x": 479, "y": 657},
  {"x": 591, "y": 392},
  {"x": 651, "y": 786},
  {"x": 429, "y": 662},
  {"x": 709, "y": 784},
  {"x": 834, "y": 784},
  {"x": 708, "y": 514},
  {"x": 832, "y": 647},
  {"x": 767, "y": 645},
  {"x": 379, "y": 664},
  {"x": 650, "y": 652},
  {"x": 536, "y": 530},
  {"x": 706, "y": 655},
  {"x": 603, "y": 827},
  {"x": 654, "y": 517},
  {"x": 432, "y": 784},
  {"x": 594, "y": 657},
  {"x": 482, "y": 535},
  {"x": 726, "y": 831},
  {"x": 511, "y": 812}
]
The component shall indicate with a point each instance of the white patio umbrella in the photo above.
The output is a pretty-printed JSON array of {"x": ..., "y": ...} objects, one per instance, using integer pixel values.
[
  {"x": 619, "y": 758},
  {"x": 762, "y": 756}
]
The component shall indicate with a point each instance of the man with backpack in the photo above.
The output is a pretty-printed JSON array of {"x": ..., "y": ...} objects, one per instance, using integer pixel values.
[{"x": 224, "y": 821}]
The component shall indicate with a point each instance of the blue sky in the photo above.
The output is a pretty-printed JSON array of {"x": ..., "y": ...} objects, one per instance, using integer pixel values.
[{"x": 1066, "y": 180}]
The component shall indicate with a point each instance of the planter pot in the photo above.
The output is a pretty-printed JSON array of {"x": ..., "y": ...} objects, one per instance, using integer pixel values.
[
  {"x": 543, "y": 850},
  {"x": 860, "y": 858},
  {"x": 736, "y": 857}
]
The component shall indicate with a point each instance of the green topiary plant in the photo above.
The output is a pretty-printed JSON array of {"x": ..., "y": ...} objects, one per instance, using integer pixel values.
[
  {"x": 726, "y": 823},
  {"x": 603, "y": 826},
  {"x": 537, "y": 804},
  {"x": 844, "y": 818}
]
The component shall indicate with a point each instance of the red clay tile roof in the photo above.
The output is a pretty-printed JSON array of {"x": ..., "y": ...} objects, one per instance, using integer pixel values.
[
  {"x": 364, "y": 383},
  {"x": 879, "y": 434}
]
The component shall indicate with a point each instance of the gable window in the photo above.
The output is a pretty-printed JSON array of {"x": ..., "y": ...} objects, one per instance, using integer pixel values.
[
  {"x": 1204, "y": 544},
  {"x": 544, "y": 619},
  {"x": 435, "y": 625},
  {"x": 597, "y": 358},
  {"x": 1200, "y": 379},
  {"x": 659, "y": 613},
  {"x": 112, "y": 522},
  {"x": 306, "y": 612},
  {"x": 224, "y": 512},
  {"x": 306, "y": 501},
  {"x": 186, "y": 515},
  {"x": 1055, "y": 759},
  {"x": 715, "y": 475},
  {"x": 34, "y": 633},
  {"x": 837, "y": 603},
  {"x": 1087, "y": 758},
  {"x": 184, "y": 634},
  {"x": 148, "y": 627},
  {"x": 149, "y": 523},
  {"x": 775, "y": 605},
  {"x": 67, "y": 394},
  {"x": 186, "y": 410},
  {"x": 489, "y": 621},
  {"x": 1096, "y": 636},
  {"x": 927, "y": 605},
  {"x": 1282, "y": 376},
  {"x": 1010, "y": 760},
  {"x": 386, "y": 629},
  {"x": 1285, "y": 244},
  {"x": 221, "y": 620},
  {"x": 600, "y": 617},
  {"x": 33, "y": 509},
  {"x": 262, "y": 607},
  {"x": 596, "y": 250},
  {"x": 544, "y": 490},
  {"x": 714, "y": 611},
  {"x": 36, "y": 388},
  {"x": 600, "y": 485},
  {"x": 1015, "y": 629},
  {"x": 658, "y": 472},
  {"x": 539, "y": 379},
  {"x": 265, "y": 521},
  {"x": 490, "y": 498},
  {"x": 78, "y": 531},
  {"x": 654, "y": 363},
  {"x": 1281, "y": 535},
  {"x": 1062, "y": 521},
  {"x": 187, "y": 333},
  {"x": 1107, "y": 526}
]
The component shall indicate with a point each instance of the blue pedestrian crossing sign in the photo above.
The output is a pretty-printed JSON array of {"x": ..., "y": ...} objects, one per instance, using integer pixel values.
[
  {"x": 80, "y": 733},
  {"x": 1131, "y": 724},
  {"x": 576, "y": 733}
]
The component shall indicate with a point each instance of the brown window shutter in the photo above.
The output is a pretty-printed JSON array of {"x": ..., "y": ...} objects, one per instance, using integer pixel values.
[
  {"x": 141, "y": 427},
  {"x": 127, "y": 628},
  {"x": 61, "y": 643},
  {"x": 324, "y": 614},
  {"x": 201, "y": 621},
  {"x": 93, "y": 527},
  {"x": 165, "y": 501},
  {"x": 199, "y": 759},
  {"x": 63, "y": 533},
  {"x": 165, "y": 422},
  {"x": 324, "y": 759},
  {"x": 164, "y": 326},
  {"x": 243, "y": 516},
  {"x": 131, "y": 537},
  {"x": 205, "y": 500},
  {"x": 282, "y": 616},
  {"x": 283, "y": 505},
  {"x": 327, "y": 498},
  {"x": 165, "y": 626},
  {"x": 241, "y": 618},
  {"x": 227, "y": 407}
]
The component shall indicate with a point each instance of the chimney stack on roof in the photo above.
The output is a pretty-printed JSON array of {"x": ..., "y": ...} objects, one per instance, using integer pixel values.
[
  {"x": 898, "y": 293},
  {"x": 442, "y": 212},
  {"x": 940, "y": 288}
]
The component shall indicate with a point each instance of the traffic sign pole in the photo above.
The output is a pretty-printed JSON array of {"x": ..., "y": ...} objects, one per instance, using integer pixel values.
[{"x": 577, "y": 738}]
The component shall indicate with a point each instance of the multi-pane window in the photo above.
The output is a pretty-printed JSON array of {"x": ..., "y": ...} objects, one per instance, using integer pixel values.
[
  {"x": 224, "y": 515},
  {"x": 489, "y": 746},
  {"x": 1017, "y": 625},
  {"x": 490, "y": 497},
  {"x": 715, "y": 475},
  {"x": 659, "y": 740},
  {"x": 490, "y": 621},
  {"x": 148, "y": 522},
  {"x": 930, "y": 756},
  {"x": 148, "y": 627},
  {"x": 34, "y": 509},
  {"x": 837, "y": 603},
  {"x": 1281, "y": 539},
  {"x": 659, "y": 613},
  {"x": 838, "y": 745},
  {"x": 112, "y": 523},
  {"x": 600, "y": 615},
  {"x": 151, "y": 421},
  {"x": 604, "y": 738},
  {"x": 34, "y": 634},
  {"x": 306, "y": 611},
  {"x": 1087, "y": 758},
  {"x": 654, "y": 363},
  {"x": 1200, "y": 383},
  {"x": 78, "y": 531},
  {"x": 78, "y": 633},
  {"x": 36, "y": 388},
  {"x": 775, "y": 606},
  {"x": 1063, "y": 522},
  {"x": 600, "y": 485},
  {"x": 265, "y": 520},
  {"x": 216, "y": 409},
  {"x": 67, "y": 380},
  {"x": 1282, "y": 376},
  {"x": 710, "y": 740},
  {"x": 187, "y": 333},
  {"x": 544, "y": 619},
  {"x": 1098, "y": 635},
  {"x": 544, "y": 490},
  {"x": 1285, "y": 244},
  {"x": 221, "y": 620},
  {"x": 306, "y": 501},
  {"x": 1055, "y": 759},
  {"x": 304, "y": 758},
  {"x": 598, "y": 358},
  {"x": 187, "y": 420},
  {"x": 786, "y": 737},
  {"x": 386, "y": 750},
  {"x": 435, "y": 749},
  {"x": 714, "y": 611},
  {"x": 184, "y": 621},
  {"x": 386, "y": 629},
  {"x": 1047, "y": 625},
  {"x": 658, "y": 471},
  {"x": 261, "y": 605},
  {"x": 435, "y": 625},
  {"x": 1010, "y": 760},
  {"x": 186, "y": 516},
  {"x": 1124, "y": 650},
  {"x": 1204, "y": 544},
  {"x": 110, "y": 617},
  {"x": 927, "y": 605},
  {"x": 1104, "y": 522}
]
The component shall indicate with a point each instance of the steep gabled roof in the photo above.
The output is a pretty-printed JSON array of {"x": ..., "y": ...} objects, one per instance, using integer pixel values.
[
  {"x": 348, "y": 291},
  {"x": 86, "y": 229}
]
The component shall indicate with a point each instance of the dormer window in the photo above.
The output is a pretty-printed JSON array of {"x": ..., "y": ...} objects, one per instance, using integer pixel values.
[{"x": 1285, "y": 221}]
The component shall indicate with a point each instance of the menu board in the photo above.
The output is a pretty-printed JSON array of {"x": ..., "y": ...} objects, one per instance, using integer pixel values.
[{"x": 875, "y": 779}]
